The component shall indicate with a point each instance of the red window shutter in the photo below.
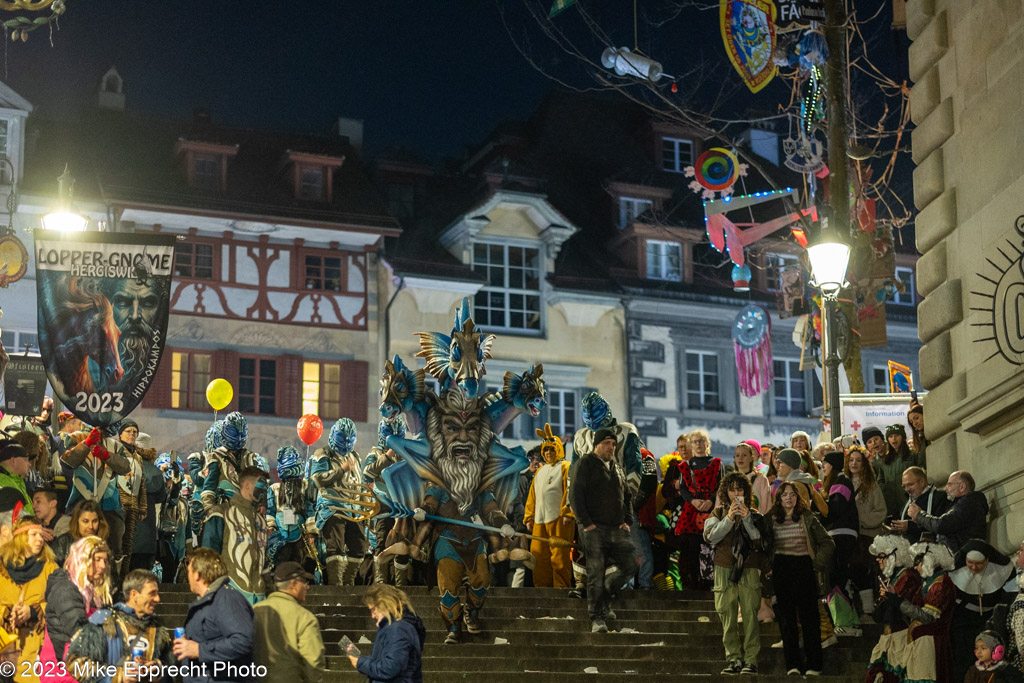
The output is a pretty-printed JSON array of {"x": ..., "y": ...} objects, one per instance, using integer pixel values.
[
  {"x": 289, "y": 386},
  {"x": 159, "y": 393},
  {"x": 355, "y": 377},
  {"x": 224, "y": 365}
]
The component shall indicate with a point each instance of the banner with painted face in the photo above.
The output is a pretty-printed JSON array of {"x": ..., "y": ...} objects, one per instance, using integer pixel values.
[{"x": 103, "y": 301}]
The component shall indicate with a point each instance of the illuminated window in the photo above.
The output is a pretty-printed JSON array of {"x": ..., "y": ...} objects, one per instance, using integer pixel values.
[
  {"x": 190, "y": 374},
  {"x": 321, "y": 389}
]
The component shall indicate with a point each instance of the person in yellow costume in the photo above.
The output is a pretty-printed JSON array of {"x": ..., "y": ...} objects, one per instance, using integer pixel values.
[
  {"x": 26, "y": 563},
  {"x": 548, "y": 514}
]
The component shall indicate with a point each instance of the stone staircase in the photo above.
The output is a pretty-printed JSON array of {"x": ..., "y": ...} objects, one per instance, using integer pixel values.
[{"x": 658, "y": 635}]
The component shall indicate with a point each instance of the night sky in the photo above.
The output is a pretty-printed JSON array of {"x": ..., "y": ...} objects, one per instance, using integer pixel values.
[{"x": 433, "y": 75}]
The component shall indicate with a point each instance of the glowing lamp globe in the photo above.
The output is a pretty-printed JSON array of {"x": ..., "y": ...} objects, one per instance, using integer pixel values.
[
  {"x": 829, "y": 260},
  {"x": 64, "y": 221}
]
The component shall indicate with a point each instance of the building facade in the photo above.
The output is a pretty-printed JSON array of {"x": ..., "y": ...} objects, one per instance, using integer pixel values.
[{"x": 967, "y": 68}]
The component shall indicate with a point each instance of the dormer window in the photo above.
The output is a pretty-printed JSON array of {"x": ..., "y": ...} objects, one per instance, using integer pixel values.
[
  {"x": 206, "y": 164},
  {"x": 313, "y": 175},
  {"x": 206, "y": 172},
  {"x": 632, "y": 207},
  {"x": 676, "y": 154},
  {"x": 311, "y": 183}
]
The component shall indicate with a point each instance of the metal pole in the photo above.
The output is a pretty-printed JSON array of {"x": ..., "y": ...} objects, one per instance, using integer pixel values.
[{"x": 830, "y": 349}]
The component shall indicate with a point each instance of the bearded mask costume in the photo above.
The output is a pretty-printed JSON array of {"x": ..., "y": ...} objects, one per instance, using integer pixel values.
[
  {"x": 456, "y": 471},
  {"x": 337, "y": 476}
]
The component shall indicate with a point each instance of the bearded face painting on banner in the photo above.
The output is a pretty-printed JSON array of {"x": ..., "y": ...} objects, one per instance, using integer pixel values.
[{"x": 103, "y": 302}]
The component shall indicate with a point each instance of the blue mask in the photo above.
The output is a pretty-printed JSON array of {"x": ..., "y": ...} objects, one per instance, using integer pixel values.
[
  {"x": 342, "y": 438},
  {"x": 235, "y": 431},
  {"x": 289, "y": 463},
  {"x": 596, "y": 413},
  {"x": 214, "y": 440},
  {"x": 386, "y": 429}
]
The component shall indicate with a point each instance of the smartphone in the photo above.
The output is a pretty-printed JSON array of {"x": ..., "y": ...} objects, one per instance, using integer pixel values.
[
  {"x": 348, "y": 647},
  {"x": 913, "y": 395}
]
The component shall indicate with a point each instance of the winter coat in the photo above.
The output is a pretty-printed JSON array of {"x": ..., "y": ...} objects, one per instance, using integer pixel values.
[
  {"x": 890, "y": 479},
  {"x": 9, "y": 479},
  {"x": 819, "y": 544},
  {"x": 65, "y": 610},
  {"x": 156, "y": 492},
  {"x": 397, "y": 652},
  {"x": 221, "y": 622},
  {"x": 842, "y": 518},
  {"x": 60, "y": 546},
  {"x": 870, "y": 510},
  {"x": 289, "y": 641},
  {"x": 964, "y": 520},
  {"x": 112, "y": 634},
  {"x": 932, "y": 501},
  {"x": 599, "y": 494},
  {"x": 26, "y": 584}
]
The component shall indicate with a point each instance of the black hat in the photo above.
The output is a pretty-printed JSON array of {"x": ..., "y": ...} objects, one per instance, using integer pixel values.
[
  {"x": 895, "y": 429},
  {"x": 9, "y": 498},
  {"x": 125, "y": 424},
  {"x": 835, "y": 458},
  {"x": 870, "y": 432},
  {"x": 286, "y": 571},
  {"x": 602, "y": 434},
  {"x": 12, "y": 450}
]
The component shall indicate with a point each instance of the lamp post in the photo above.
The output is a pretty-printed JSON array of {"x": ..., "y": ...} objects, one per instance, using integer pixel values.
[
  {"x": 64, "y": 218},
  {"x": 829, "y": 257}
]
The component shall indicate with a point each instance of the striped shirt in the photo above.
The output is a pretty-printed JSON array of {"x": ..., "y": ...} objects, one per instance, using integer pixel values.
[{"x": 791, "y": 538}]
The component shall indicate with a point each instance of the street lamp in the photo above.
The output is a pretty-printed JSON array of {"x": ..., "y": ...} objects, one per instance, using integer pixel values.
[
  {"x": 829, "y": 257},
  {"x": 64, "y": 218}
]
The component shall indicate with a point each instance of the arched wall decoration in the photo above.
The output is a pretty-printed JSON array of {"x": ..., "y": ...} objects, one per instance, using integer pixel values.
[{"x": 1001, "y": 299}]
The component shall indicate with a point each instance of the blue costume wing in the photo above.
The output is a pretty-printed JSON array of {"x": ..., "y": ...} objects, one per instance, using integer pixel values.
[
  {"x": 417, "y": 454},
  {"x": 402, "y": 490},
  {"x": 501, "y": 473}
]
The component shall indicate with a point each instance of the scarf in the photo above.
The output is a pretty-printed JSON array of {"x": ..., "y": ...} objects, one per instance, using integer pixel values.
[{"x": 25, "y": 572}]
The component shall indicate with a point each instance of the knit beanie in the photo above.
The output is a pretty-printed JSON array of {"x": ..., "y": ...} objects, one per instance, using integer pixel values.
[
  {"x": 789, "y": 457},
  {"x": 895, "y": 429},
  {"x": 602, "y": 434},
  {"x": 835, "y": 458},
  {"x": 870, "y": 432},
  {"x": 990, "y": 638},
  {"x": 756, "y": 445}
]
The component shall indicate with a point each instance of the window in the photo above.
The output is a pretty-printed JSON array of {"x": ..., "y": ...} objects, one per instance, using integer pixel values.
[
  {"x": 511, "y": 297},
  {"x": 664, "y": 261},
  {"x": 702, "y": 381},
  {"x": 323, "y": 272},
  {"x": 190, "y": 375},
  {"x": 676, "y": 154},
  {"x": 775, "y": 264},
  {"x": 311, "y": 183},
  {"x": 908, "y": 297},
  {"x": 321, "y": 389},
  {"x": 630, "y": 208},
  {"x": 562, "y": 411},
  {"x": 15, "y": 342},
  {"x": 880, "y": 379},
  {"x": 789, "y": 388},
  {"x": 206, "y": 168},
  {"x": 257, "y": 386},
  {"x": 193, "y": 260}
]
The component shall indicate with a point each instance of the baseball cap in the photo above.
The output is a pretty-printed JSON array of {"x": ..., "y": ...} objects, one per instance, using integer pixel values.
[{"x": 287, "y": 571}]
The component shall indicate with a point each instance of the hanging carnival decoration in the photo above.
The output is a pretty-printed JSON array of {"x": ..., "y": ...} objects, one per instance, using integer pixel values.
[
  {"x": 748, "y": 31},
  {"x": 752, "y": 339},
  {"x": 20, "y": 26},
  {"x": 728, "y": 237},
  {"x": 715, "y": 172}
]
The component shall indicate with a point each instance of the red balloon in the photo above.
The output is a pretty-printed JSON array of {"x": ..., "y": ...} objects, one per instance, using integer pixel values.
[{"x": 310, "y": 427}]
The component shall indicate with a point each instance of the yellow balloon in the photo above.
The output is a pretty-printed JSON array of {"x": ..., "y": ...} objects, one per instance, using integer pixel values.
[{"x": 219, "y": 394}]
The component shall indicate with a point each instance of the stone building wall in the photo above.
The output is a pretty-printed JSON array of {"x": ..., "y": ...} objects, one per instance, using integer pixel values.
[{"x": 967, "y": 104}]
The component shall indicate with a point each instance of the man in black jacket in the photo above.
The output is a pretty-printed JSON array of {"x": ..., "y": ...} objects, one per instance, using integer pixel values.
[
  {"x": 931, "y": 500},
  {"x": 601, "y": 503},
  {"x": 967, "y": 518}
]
